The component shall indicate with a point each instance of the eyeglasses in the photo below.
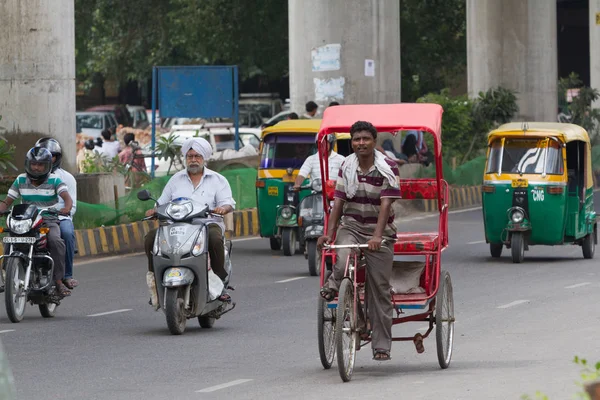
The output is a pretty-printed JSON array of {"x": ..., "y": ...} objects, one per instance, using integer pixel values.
[{"x": 193, "y": 156}]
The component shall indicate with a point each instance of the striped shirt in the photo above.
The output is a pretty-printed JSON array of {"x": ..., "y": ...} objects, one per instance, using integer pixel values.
[
  {"x": 44, "y": 195},
  {"x": 361, "y": 212},
  {"x": 312, "y": 167}
]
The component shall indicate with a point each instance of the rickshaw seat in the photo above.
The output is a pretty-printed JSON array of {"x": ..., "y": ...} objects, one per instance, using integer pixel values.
[{"x": 415, "y": 242}]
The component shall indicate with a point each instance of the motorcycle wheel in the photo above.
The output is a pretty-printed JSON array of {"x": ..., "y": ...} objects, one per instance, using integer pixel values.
[
  {"x": 174, "y": 311},
  {"x": 314, "y": 266},
  {"x": 206, "y": 322},
  {"x": 289, "y": 242},
  {"x": 14, "y": 299},
  {"x": 48, "y": 310}
]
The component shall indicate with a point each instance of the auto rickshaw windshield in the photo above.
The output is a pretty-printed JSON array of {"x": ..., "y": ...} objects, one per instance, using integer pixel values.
[
  {"x": 525, "y": 156},
  {"x": 287, "y": 151}
]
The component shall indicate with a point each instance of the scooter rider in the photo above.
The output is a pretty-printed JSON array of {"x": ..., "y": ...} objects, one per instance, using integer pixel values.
[
  {"x": 312, "y": 167},
  {"x": 67, "y": 230},
  {"x": 205, "y": 187}
]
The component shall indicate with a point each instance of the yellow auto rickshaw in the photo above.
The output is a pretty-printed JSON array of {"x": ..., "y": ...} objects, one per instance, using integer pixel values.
[{"x": 538, "y": 188}]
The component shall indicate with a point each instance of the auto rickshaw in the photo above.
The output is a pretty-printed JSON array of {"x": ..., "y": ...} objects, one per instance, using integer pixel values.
[
  {"x": 283, "y": 149},
  {"x": 538, "y": 188}
]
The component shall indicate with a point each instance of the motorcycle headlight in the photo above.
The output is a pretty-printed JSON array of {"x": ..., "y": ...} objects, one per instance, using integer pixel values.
[
  {"x": 179, "y": 211},
  {"x": 200, "y": 242},
  {"x": 316, "y": 185},
  {"x": 286, "y": 213},
  {"x": 517, "y": 216},
  {"x": 20, "y": 227}
]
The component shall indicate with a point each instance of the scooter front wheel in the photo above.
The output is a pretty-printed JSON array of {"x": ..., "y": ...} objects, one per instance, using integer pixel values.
[{"x": 174, "y": 309}]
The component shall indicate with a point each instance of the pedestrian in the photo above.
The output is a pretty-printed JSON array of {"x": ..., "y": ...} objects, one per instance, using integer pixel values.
[
  {"x": 334, "y": 103},
  {"x": 311, "y": 110}
]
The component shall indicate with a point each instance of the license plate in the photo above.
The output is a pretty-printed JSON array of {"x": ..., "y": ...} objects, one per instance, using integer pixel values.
[
  {"x": 177, "y": 231},
  {"x": 273, "y": 191},
  {"x": 17, "y": 239},
  {"x": 519, "y": 183}
]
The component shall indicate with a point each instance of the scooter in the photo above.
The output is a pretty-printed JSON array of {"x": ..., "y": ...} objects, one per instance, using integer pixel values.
[
  {"x": 312, "y": 223},
  {"x": 186, "y": 285}
]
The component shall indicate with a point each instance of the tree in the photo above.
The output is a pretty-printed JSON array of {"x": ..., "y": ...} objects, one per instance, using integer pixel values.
[{"x": 580, "y": 109}]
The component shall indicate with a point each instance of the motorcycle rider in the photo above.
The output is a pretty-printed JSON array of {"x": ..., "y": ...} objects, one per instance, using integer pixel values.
[
  {"x": 312, "y": 167},
  {"x": 40, "y": 187},
  {"x": 67, "y": 230},
  {"x": 205, "y": 187}
]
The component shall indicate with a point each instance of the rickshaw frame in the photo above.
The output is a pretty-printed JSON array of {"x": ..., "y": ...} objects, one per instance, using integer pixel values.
[{"x": 393, "y": 118}]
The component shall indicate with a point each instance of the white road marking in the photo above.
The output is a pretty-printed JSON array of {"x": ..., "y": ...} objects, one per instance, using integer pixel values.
[
  {"x": 477, "y": 242},
  {"x": 104, "y": 259},
  {"x": 436, "y": 214},
  {"x": 244, "y": 239},
  {"x": 291, "y": 279},
  {"x": 7, "y": 330},
  {"x": 417, "y": 382},
  {"x": 514, "y": 303},
  {"x": 110, "y": 312},
  {"x": 578, "y": 285},
  {"x": 223, "y": 386}
]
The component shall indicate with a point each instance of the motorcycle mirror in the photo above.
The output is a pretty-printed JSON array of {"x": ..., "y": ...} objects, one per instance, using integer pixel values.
[{"x": 144, "y": 195}]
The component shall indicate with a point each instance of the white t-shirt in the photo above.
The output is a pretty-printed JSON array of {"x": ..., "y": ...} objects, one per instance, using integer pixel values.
[
  {"x": 312, "y": 167},
  {"x": 109, "y": 149},
  {"x": 71, "y": 183}
]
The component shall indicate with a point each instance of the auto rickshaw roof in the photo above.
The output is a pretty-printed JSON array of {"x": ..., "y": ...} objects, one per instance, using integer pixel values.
[
  {"x": 568, "y": 132},
  {"x": 294, "y": 125},
  {"x": 386, "y": 118}
]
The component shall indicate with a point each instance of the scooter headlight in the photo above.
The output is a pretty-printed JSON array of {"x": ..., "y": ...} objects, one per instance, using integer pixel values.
[
  {"x": 286, "y": 213},
  {"x": 517, "y": 216},
  {"x": 316, "y": 185},
  {"x": 179, "y": 211},
  {"x": 20, "y": 227},
  {"x": 200, "y": 243}
]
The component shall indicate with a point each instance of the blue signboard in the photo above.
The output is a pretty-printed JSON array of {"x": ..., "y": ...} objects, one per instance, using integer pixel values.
[{"x": 195, "y": 92}]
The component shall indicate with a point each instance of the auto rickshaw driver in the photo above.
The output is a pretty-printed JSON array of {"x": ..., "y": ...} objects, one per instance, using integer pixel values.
[{"x": 311, "y": 166}]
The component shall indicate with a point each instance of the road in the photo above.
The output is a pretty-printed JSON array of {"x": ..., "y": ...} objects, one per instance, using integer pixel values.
[{"x": 518, "y": 328}]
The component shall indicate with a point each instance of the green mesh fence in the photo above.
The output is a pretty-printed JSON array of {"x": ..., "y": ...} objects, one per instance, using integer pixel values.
[{"x": 129, "y": 208}]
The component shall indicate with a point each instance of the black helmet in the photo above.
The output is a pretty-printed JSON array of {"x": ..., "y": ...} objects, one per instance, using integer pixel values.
[
  {"x": 54, "y": 147},
  {"x": 42, "y": 156},
  {"x": 89, "y": 144}
]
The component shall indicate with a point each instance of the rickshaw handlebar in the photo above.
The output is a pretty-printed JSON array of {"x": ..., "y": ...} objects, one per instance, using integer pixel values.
[{"x": 350, "y": 246}]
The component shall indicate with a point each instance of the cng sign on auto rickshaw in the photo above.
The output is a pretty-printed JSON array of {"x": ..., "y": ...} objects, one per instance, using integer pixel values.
[{"x": 273, "y": 191}]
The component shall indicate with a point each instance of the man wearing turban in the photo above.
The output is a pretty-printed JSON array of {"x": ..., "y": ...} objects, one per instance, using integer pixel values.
[{"x": 205, "y": 187}]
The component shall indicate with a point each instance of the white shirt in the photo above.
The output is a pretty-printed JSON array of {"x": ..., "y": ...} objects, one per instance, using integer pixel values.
[
  {"x": 213, "y": 189},
  {"x": 109, "y": 149},
  {"x": 71, "y": 183},
  {"x": 312, "y": 167}
]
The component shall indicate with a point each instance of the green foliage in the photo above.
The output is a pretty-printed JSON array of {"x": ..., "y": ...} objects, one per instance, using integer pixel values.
[
  {"x": 166, "y": 149},
  {"x": 580, "y": 108},
  {"x": 7, "y": 153},
  {"x": 433, "y": 42}
]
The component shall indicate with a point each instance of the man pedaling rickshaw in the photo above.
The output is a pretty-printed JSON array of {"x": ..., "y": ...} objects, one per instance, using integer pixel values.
[{"x": 367, "y": 185}]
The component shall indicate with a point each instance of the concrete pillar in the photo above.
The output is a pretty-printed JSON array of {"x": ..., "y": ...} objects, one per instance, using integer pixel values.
[
  {"x": 512, "y": 43},
  {"x": 595, "y": 47},
  {"x": 37, "y": 74},
  {"x": 331, "y": 43}
]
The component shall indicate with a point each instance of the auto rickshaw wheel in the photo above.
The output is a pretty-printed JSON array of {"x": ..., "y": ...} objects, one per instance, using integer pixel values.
[
  {"x": 517, "y": 247},
  {"x": 496, "y": 249},
  {"x": 275, "y": 243},
  {"x": 288, "y": 239},
  {"x": 589, "y": 246}
]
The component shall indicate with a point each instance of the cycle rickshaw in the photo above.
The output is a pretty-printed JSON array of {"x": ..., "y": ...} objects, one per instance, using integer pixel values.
[{"x": 418, "y": 286}]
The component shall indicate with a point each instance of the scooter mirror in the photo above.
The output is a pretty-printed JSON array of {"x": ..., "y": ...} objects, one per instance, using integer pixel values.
[{"x": 143, "y": 195}]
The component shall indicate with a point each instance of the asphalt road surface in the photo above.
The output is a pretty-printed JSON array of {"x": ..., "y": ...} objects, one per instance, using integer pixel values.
[{"x": 518, "y": 328}]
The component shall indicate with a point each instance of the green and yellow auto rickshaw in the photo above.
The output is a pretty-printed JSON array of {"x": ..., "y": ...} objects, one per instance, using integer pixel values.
[
  {"x": 283, "y": 149},
  {"x": 538, "y": 188}
]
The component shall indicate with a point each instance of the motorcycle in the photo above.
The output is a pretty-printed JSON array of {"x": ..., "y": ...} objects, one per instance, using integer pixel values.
[
  {"x": 312, "y": 224},
  {"x": 186, "y": 285},
  {"x": 29, "y": 266},
  {"x": 287, "y": 222}
]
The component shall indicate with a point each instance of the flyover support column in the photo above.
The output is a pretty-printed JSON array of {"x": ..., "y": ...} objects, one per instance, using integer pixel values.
[
  {"x": 513, "y": 44},
  {"x": 595, "y": 47},
  {"x": 347, "y": 51},
  {"x": 37, "y": 74}
]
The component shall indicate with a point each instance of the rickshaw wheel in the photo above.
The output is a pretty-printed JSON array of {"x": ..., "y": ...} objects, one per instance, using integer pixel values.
[
  {"x": 444, "y": 320},
  {"x": 326, "y": 332},
  {"x": 496, "y": 249},
  {"x": 288, "y": 238},
  {"x": 517, "y": 247},
  {"x": 345, "y": 330},
  {"x": 589, "y": 246},
  {"x": 275, "y": 243}
]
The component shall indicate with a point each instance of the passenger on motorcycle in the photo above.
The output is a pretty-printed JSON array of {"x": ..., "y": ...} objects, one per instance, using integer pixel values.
[
  {"x": 67, "y": 230},
  {"x": 205, "y": 187},
  {"x": 40, "y": 187},
  {"x": 312, "y": 168}
]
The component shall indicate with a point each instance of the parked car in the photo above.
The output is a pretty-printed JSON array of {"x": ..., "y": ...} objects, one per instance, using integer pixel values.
[
  {"x": 277, "y": 118},
  {"x": 140, "y": 119},
  {"x": 248, "y": 119},
  {"x": 149, "y": 117},
  {"x": 92, "y": 123},
  {"x": 265, "y": 104},
  {"x": 119, "y": 111}
]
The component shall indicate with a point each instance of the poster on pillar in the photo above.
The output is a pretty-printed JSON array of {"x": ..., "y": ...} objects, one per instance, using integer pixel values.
[
  {"x": 326, "y": 58},
  {"x": 329, "y": 89}
]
